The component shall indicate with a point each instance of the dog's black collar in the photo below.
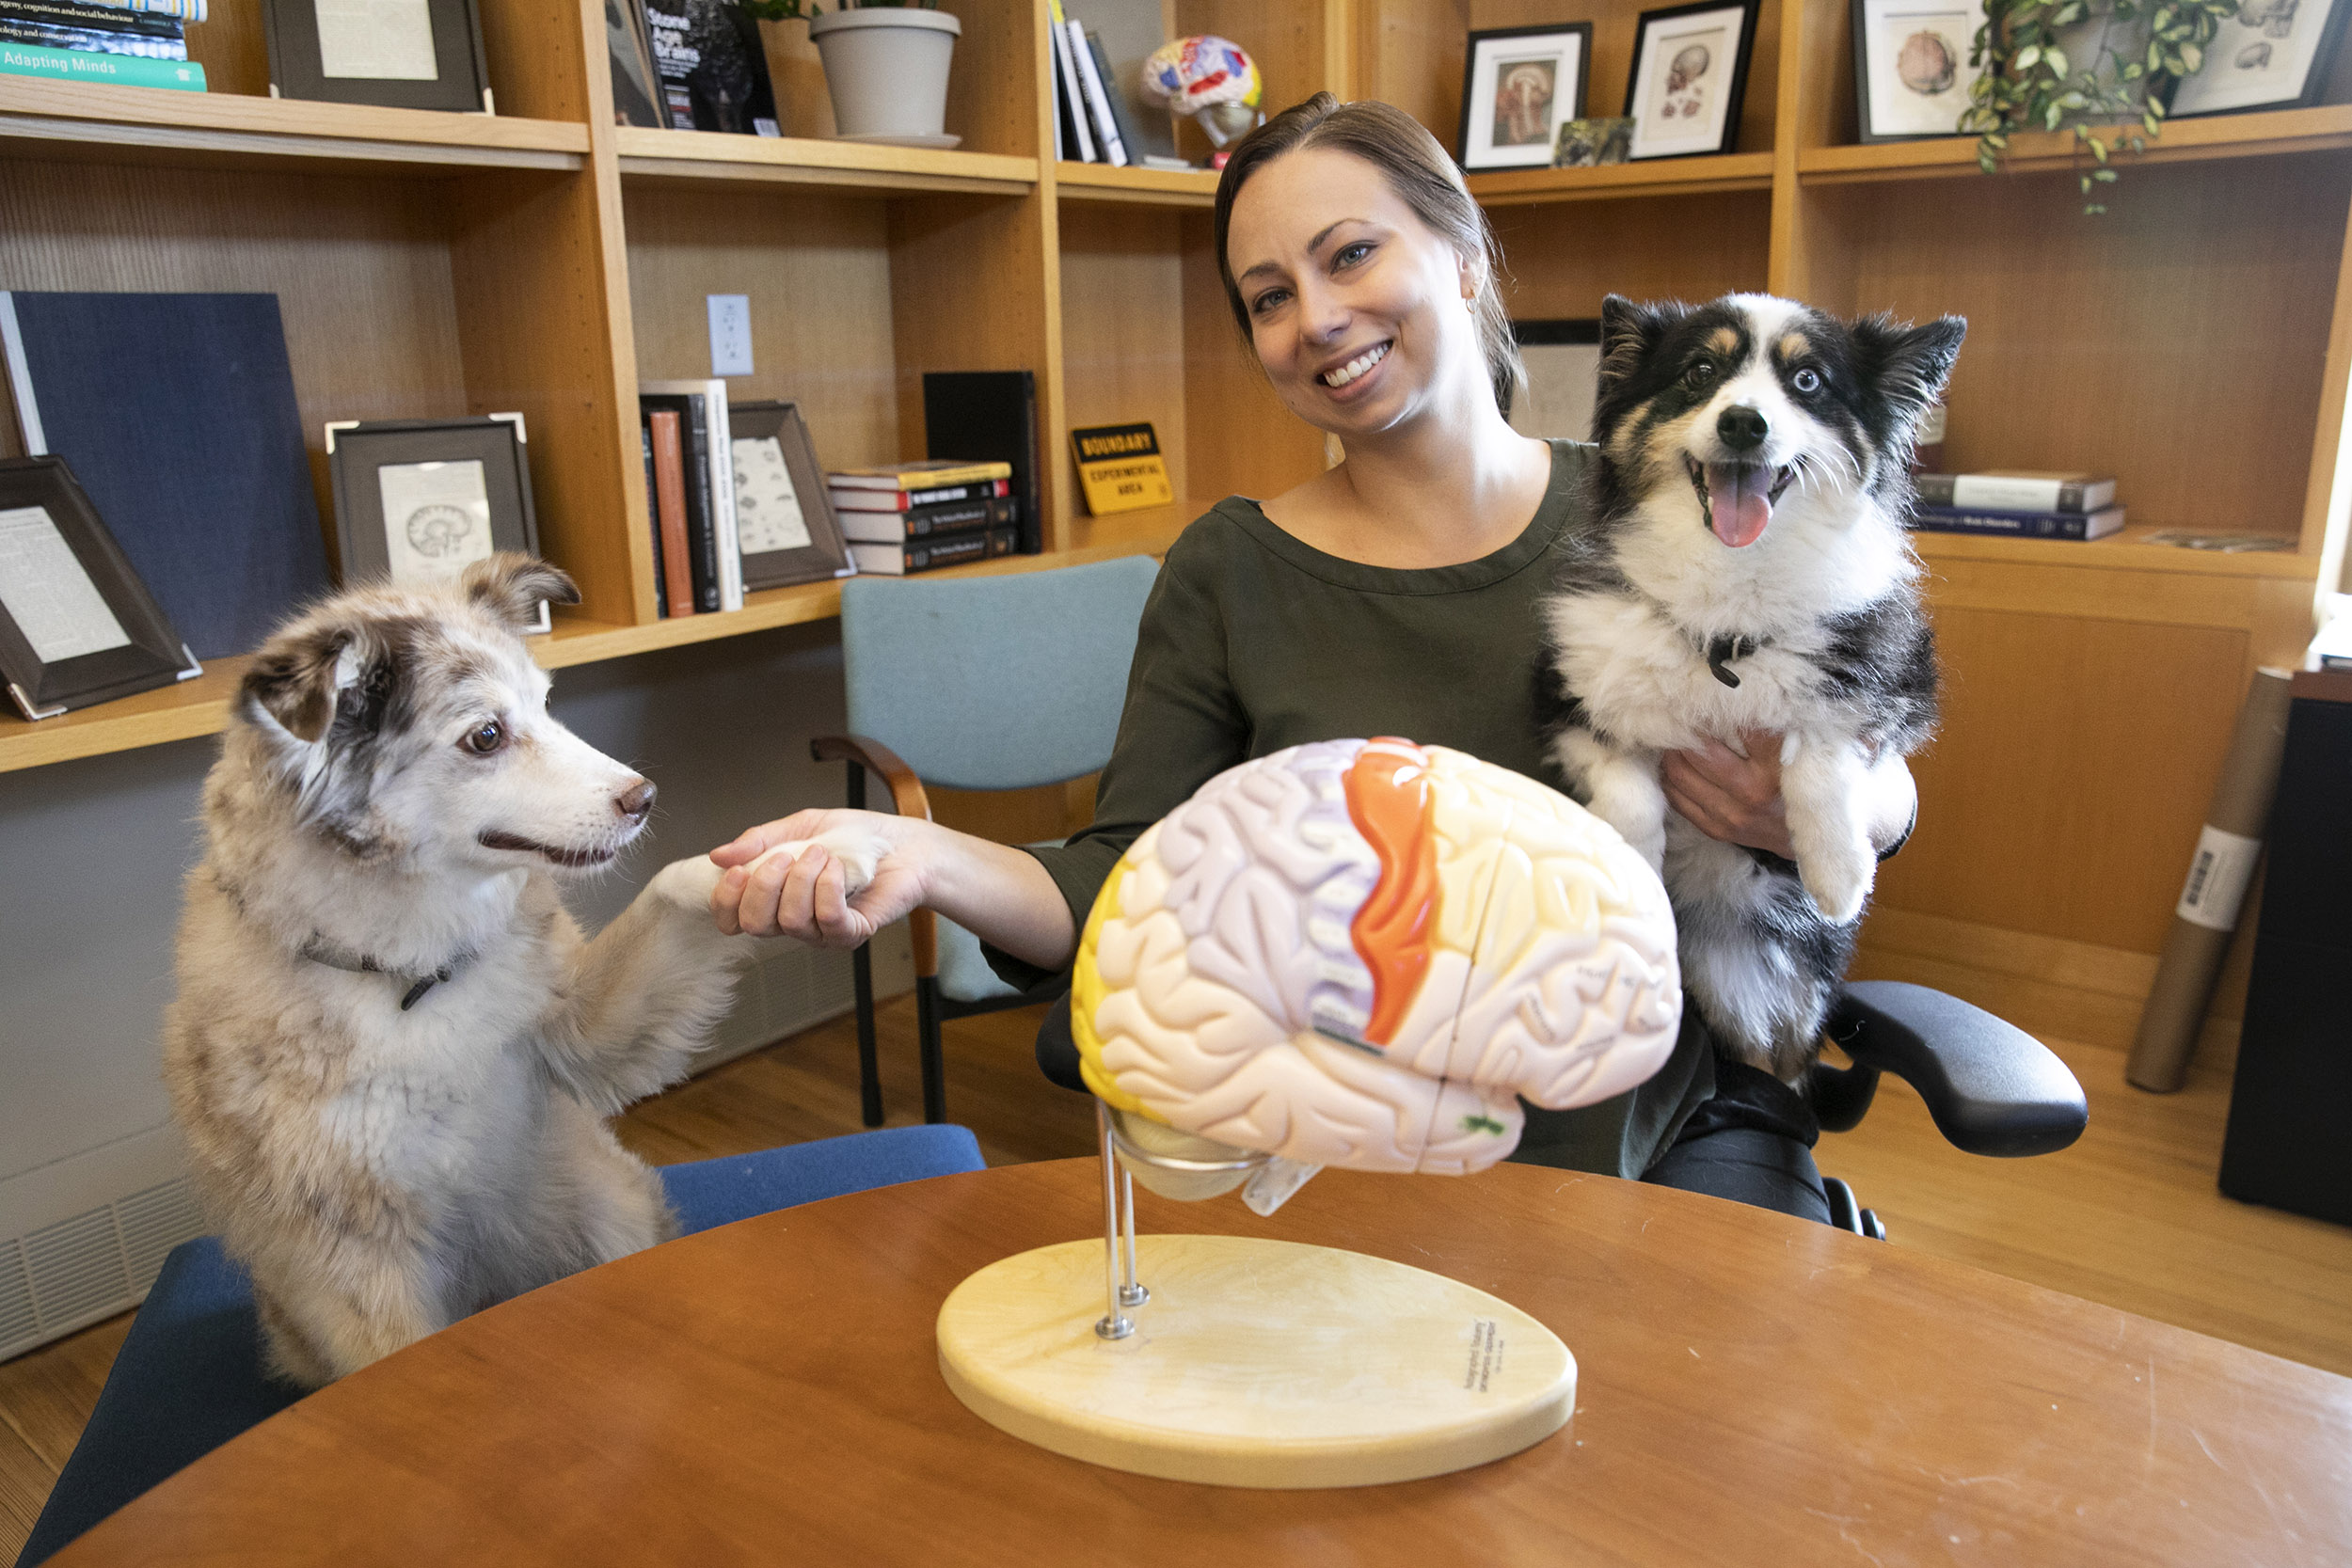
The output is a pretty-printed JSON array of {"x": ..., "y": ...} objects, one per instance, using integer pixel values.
[
  {"x": 319, "y": 951},
  {"x": 1721, "y": 651}
]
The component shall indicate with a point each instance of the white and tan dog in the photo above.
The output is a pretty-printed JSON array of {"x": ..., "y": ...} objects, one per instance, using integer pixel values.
[{"x": 393, "y": 1052}]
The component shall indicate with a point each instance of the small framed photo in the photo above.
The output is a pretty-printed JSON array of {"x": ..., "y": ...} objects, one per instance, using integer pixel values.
[
  {"x": 784, "y": 516},
  {"x": 1519, "y": 86},
  {"x": 419, "y": 500},
  {"x": 77, "y": 627},
  {"x": 2270, "y": 54},
  {"x": 1690, "y": 74},
  {"x": 1911, "y": 57},
  {"x": 395, "y": 54},
  {"x": 1563, "y": 361}
]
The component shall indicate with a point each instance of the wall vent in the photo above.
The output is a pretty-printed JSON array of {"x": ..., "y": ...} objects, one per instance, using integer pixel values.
[{"x": 63, "y": 1277}]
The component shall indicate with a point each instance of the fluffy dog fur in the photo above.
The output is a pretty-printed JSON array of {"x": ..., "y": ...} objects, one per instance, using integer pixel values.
[
  {"x": 393, "y": 802},
  {"x": 1747, "y": 569}
]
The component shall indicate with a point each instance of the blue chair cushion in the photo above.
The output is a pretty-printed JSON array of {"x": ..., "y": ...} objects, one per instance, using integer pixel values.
[{"x": 189, "y": 1377}]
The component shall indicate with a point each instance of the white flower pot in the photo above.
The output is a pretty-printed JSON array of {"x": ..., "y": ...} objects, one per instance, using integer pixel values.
[{"x": 887, "y": 68}]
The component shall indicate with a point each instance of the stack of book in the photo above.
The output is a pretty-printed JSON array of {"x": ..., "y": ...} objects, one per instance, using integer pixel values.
[
  {"x": 140, "y": 43},
  {"x": 1092, "y": 124},
  {"x": 913, "y": 517},
  {"x": 690, "y": 485},
  {"x": 2018, "y": 503}
]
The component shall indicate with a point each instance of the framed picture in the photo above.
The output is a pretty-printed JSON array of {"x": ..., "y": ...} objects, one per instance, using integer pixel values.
[
  {"x": 419, "y": 500},
  {"x": 1519, "y": 86},
  {"x": 1563, "y": 359},
  {"x": 77, "y": 627},
  {"x": 1591, "y": 143},
  {"x": 1690, "y": 73},
  {"x": 1911, "y": 59},
  {"x": 2271, "y": 54},
  {"x": 784, "y": 516},
  {"x": 397, "y": 53}
]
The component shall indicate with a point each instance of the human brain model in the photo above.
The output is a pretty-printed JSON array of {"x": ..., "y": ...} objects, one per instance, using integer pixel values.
[
  {"x": 1208, "y": 77},
  {"x": 1362, "y": 953}
]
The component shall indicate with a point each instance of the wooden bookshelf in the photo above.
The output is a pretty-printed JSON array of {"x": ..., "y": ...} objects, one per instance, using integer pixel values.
[{"x": 2197, "y": 341}]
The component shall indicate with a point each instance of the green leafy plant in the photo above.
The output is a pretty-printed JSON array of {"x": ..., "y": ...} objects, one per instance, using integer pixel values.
[
  {"x": 801, "y": 10},
  {"x": 2112, "y": 103}
]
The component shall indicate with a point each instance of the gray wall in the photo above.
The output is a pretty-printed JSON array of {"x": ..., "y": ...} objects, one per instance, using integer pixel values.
[{"x": 92, "y": 854}]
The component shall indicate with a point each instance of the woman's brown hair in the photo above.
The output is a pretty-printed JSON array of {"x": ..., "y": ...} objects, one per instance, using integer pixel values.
[{"x": 1423, "y": 177}]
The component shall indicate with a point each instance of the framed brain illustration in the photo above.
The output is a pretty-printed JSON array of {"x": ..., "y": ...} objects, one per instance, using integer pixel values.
[
  {"x": 1911, "y": 59},
  {"x": 1365, "y": 953},
  {"x": 418, "y": 501}
]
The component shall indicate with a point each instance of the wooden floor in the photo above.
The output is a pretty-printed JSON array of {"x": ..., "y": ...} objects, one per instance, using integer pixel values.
[{"x": 2129, "y": 1216}]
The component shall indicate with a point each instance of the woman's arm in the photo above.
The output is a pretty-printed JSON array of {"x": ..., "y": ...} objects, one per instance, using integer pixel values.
[
  {"x": 1001, "y": 895},
  {"x": 1737, "y": 799}
]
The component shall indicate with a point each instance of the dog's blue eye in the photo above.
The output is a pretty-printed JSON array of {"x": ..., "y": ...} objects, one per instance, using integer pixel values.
[
  {"x": 489, "y": 738},
  {"x": 1807, "y": 381}
]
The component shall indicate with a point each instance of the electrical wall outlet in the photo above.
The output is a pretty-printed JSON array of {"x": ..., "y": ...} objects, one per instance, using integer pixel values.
[{"x": 730, "y": 334}]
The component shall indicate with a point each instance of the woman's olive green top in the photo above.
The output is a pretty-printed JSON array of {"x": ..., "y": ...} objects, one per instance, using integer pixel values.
[{"x": 1252, "y": 641}]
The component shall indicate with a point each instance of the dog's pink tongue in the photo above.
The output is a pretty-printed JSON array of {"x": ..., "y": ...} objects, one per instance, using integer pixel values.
[{"x": 1737, "y": 505}]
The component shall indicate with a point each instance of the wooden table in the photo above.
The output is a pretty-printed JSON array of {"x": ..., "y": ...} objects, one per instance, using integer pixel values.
[{"x": 1754, "y": 1390}]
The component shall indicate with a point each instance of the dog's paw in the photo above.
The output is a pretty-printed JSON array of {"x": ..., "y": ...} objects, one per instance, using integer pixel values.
[
  {"x": 1838, "y": 883},
  {"x": 688, "y": 884},
  {"x": 859, "y": 852}
]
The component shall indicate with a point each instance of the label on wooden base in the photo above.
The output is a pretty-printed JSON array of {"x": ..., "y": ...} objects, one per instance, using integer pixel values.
[{"x": 1255, "y": 1363}]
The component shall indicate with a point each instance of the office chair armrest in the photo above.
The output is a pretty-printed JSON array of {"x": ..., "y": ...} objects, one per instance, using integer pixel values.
[
  {"x": 906, "y": 791},
  {"x": 1992, "y": 1087}
]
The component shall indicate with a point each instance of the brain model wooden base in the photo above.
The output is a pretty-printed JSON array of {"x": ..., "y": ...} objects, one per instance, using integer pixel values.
[{"x": 1357, "y": 953}]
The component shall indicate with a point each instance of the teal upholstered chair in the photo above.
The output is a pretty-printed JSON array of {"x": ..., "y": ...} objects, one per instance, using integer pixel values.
[{"x": 976, "y": 683}]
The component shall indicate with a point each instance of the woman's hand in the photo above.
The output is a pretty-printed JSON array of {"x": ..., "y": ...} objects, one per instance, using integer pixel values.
[
  {"x": 806, "y": 896},
  {"x": 1732, "y": 797}
]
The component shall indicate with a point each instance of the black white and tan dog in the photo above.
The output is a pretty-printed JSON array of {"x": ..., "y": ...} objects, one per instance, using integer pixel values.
[{"x": 1746, "y": 568}]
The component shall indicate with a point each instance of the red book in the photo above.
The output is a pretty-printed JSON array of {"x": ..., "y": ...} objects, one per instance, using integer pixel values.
[{"x": 669, "y": 486}]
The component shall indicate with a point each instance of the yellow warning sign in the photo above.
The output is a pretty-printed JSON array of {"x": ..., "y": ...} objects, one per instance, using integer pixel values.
[{"x": 1120, "y": 467}]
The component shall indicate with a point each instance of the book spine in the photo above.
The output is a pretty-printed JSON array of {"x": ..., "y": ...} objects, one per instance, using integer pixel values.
[
  {"x": 1114, "y": 100},
  {"x": 907, "y": 500},
  {"x": 2020, "y": 524},
  {"x": 2007, "y": 493},
  {"x": 77, "y": 65},
  {"x": 913, "y": 480},
  {"x": 186, "y": 11},
  {"x": 1106, "y": 133},
  {"x": 669, "y": 474},
  {"x": 700, "y": 510},
  {"x": 930, "y": 555},
  {"x": 723, "y": 487},
  {"x": 50, "y": 35},
  {"x": 929, "y": 522},
  {"x": 1068, "y": 72},
  {"x": 653, "y": 515}
]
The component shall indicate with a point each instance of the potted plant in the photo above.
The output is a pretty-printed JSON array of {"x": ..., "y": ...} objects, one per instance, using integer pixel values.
[
  {"x": 885, "y": 65},
  {"x": 2103, "y": 69}
]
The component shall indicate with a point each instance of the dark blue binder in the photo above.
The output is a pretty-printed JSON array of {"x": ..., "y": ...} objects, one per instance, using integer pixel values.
[{"x": 177, "y": 414}]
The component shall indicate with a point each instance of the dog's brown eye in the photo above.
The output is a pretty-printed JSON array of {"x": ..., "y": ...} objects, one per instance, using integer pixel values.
[
  {"x": 1700, "y": 374},
  {"x": 489, "y": 738},
  {"x": 1807, "y": 381}
]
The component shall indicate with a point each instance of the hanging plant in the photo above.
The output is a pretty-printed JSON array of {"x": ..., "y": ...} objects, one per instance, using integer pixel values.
[{"x": 2112, "y": 102}]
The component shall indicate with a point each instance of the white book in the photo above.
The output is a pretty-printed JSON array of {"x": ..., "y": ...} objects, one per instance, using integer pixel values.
[
  {"x": 713, "y": 393},
  {"x": 1069, "y": 72},
  {"x": 1105, "y": 128}
]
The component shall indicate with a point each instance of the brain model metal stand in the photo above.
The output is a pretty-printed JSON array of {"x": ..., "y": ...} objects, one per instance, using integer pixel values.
[{"x": 1364, "y": 952}]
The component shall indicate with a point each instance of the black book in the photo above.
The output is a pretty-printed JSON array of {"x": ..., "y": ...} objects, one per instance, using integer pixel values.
[
  {"x": 90, "y": 16},
  {"x": 702, "y": 533},
  {"x": 637, "y": 97},
  {"x": 713, "y": 67},
  {"x": 90, "y": 40},
  {"x": 925, "y": 555},
  {"x": 653, "y": 515},
  {"x": 990, "y": 416},
  {"x": 927, "y": 522}
]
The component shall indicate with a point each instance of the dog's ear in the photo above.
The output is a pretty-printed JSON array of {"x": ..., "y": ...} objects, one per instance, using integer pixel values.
[
  {"x": 510, "y": 587},
  {"x": 313, "y": 674},
  {"x": 1911, "y": 364},
  {"x": 1627, "y": 333}
]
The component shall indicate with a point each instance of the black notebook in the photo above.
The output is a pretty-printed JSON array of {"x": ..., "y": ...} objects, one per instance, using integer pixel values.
[
  {"x": 177, "y": 414},
  {"x": 988, "y": 416}
]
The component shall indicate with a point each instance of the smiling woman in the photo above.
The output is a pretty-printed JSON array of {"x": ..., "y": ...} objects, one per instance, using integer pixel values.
[{"x": 1394, "y": 595}]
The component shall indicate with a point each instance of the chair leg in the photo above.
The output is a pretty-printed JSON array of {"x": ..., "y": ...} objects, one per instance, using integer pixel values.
[
  {"x": 927, "y": 1031},
  {"x": 869, "y": 1069}
]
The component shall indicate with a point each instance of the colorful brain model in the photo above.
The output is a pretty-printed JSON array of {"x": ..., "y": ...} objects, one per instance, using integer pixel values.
[
  {"x": 1364, "y": 952},
  {"x": 1188, "y": 75}
]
